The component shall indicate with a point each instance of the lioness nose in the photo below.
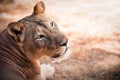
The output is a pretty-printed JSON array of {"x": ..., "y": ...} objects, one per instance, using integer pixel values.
[{"x": 64, "y": 43}]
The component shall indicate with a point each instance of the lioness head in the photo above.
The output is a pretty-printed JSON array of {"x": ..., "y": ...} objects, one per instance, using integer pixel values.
[{"x": 39, "y": 35}]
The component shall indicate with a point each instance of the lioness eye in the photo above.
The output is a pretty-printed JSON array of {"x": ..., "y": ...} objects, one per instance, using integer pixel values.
[
  {"x": 40, "y": 37},
  {"x": 52, "y": 24}
]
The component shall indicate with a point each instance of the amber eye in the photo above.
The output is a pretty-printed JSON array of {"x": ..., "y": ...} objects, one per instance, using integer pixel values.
[{"x": 40, "y": 37}]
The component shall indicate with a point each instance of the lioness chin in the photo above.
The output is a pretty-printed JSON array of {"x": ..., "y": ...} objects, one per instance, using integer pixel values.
[{"x": 24, "y": 42}]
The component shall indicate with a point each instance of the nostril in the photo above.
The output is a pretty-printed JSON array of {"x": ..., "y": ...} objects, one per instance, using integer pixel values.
[{"x": 65, "y": 43}]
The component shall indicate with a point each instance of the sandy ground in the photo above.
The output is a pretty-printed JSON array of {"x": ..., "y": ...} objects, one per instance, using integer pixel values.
[{"x": 93, "y": 29}]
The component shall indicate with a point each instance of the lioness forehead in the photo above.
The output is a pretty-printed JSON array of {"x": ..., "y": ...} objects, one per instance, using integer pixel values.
[{"x": 38, "y": 21}]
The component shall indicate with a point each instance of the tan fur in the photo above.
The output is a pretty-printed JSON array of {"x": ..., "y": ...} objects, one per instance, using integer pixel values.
[{"x": 24, "y": 42}]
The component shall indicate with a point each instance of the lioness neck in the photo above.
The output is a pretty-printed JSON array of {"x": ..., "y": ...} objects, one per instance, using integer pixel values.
[{"x": 13, "y": 55}]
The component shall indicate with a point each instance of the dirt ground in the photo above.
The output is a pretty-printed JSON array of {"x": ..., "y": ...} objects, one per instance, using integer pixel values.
[{"x": 93, "y": 29}]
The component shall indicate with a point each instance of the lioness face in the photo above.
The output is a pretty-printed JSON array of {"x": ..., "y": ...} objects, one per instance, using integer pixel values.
[{"x": 38, "y": 35}]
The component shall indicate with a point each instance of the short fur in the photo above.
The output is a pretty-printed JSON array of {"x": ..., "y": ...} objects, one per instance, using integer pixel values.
[{"x": 24, "y": 42}]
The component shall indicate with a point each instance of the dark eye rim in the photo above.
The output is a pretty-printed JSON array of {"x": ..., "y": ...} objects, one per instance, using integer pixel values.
[
  {"x": 40, "y": 37},
  {"x": 52, "y": 23}
]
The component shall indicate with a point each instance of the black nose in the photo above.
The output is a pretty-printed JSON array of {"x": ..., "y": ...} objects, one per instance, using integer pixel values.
[{"x": 64, "y": 43}]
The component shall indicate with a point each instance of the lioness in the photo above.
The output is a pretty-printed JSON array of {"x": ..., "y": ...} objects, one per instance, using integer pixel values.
[{"x": 24, "y": 42}]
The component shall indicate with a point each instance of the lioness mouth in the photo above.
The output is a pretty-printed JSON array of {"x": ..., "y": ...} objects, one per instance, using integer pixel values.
[
  {"x": 57, "y": 55},
  {"x": 61, "y": 57}
]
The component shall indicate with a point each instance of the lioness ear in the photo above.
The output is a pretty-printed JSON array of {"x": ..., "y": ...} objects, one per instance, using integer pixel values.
[
  {"x": 39, "y": 8},
  {"x": 16, "y": 30}
]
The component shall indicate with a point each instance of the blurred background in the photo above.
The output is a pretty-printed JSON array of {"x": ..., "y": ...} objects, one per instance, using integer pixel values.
[{"x": 93, "y": 29}]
